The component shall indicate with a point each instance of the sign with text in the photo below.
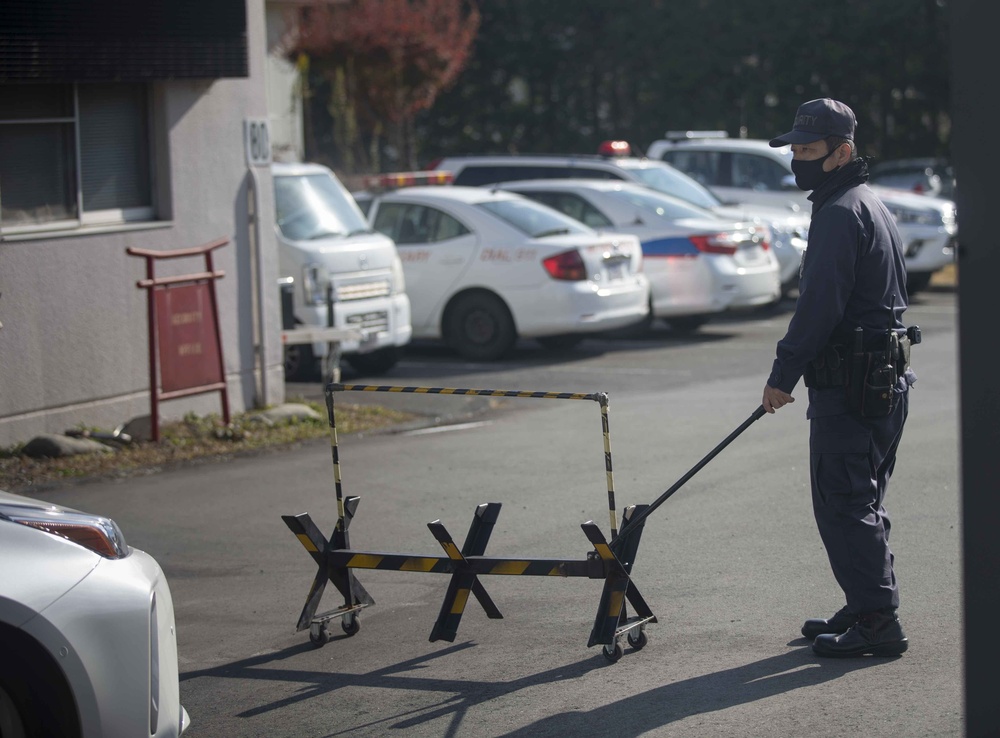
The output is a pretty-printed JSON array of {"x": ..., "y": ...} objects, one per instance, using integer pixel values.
[
  {"x": 186, "y": 337},
  {"x": 257, "y": 141}
]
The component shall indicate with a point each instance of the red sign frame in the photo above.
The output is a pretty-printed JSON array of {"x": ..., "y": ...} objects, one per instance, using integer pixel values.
[{"x": 185, "y": 345}]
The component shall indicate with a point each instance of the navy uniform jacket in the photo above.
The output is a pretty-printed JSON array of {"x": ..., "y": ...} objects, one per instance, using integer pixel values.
[{"x": 851, "y": 270}]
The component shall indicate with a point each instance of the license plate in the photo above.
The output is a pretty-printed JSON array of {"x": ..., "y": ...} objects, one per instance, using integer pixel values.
[
  {"x": 616, "y": 271},
  {"x": 366, "y": 319}
]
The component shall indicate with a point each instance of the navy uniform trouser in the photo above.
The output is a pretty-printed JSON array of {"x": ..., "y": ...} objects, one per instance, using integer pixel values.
[{"x": 851, "y": 461}]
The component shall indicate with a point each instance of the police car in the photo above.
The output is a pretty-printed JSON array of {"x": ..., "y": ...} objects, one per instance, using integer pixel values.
[
  {"x": 749, "y": 170},
  {"x": 698, "y": 264},
  {"x": 614, "y": 161},
  {"x": 485, "y": 267}
]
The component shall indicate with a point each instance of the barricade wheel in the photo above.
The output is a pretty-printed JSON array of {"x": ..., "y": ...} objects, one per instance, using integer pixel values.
[
  {"x": 319, "y": 636},
  {"x": 614, "y": 652},
  {"x": 351, "y": 624},
  {"x": 638, "y": 642}
]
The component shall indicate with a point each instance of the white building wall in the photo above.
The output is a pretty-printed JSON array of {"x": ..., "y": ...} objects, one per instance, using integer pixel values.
[
  {"x": 284, "y": 99},
  {"x": 73, "y": 346}
]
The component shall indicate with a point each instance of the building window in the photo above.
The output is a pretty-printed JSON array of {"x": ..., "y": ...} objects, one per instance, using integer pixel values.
[{"x": 73, "y": 155}]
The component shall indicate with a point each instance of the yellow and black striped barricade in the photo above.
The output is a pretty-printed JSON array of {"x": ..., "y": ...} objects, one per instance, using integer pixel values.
[
  {"x": 610, "y": 626},
  {"x": 335, "y": 559}
]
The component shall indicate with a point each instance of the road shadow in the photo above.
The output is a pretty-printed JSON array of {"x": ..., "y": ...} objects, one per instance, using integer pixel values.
[{"x": 638, "y": 714}]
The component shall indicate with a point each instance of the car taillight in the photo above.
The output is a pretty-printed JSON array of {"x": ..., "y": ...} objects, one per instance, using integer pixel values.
[
  {"x": 762, "y": 235},
  {"x": 718, "y": 243},
  {"x": 568, "y": 265}
]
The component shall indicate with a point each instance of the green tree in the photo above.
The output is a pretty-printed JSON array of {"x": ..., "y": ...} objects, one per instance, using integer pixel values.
[{"x": 561, "y": 76}]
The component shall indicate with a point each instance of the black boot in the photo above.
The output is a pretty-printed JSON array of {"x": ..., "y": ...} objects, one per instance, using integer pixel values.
[
  {"x": 839, "y": 623},
  {"x": 877, "y": 633}
]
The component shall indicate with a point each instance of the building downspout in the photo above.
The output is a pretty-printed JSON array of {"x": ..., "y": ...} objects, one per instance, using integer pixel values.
[{"x": 257, "y": 290}]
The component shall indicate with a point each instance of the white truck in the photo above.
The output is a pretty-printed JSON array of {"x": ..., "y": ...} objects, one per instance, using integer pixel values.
[{"x": 340, "y": 274}]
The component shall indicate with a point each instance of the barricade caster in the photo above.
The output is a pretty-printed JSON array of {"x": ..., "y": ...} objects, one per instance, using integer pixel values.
[
  {"x": 319, "y": 629},
  {"x": 634, "y": 632}
]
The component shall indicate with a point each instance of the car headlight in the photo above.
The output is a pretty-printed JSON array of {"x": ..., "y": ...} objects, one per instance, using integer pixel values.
[
  {"x": 913, "y": 216},
  {"x": 949, "y": 216},
  {"x": 94, "y": 532},
  {"x": 314, "y": 281}
]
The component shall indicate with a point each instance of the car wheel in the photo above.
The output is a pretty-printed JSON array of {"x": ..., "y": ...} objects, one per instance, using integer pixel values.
[
  {"x": 35, "y": 700},
  {"x": 11, "y": 722},
  {"x": 564, "y": 342},
  {"x": 479, "y": 327},
  {"x": 301, "y": 364},
  {"x": 687, "y": 323},
  {"x": 375, "y": 363},
  {"x": 790, "y": 286},
  {"x": 917, "y": 282}
]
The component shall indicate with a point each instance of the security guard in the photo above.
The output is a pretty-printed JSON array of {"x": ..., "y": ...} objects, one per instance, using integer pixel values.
[{"x": 847, "y": 340}]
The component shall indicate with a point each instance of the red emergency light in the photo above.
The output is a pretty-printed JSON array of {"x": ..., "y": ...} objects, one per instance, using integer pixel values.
[{"x": 614, "y": 148}]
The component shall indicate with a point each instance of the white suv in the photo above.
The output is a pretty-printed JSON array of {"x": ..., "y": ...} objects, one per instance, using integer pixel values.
[
  {"x": 749, "y": 170},
  {"x": 789, "y": 230}
]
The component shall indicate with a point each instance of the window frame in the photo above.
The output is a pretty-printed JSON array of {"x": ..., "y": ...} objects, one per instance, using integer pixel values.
[{"x": 127, "y": 217}]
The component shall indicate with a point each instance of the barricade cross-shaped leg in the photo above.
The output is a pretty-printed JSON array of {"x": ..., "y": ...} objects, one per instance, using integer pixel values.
[
  {"x": 611, "y": 620},
  {"x": 463, "y": 582},
  {"x": 355, "y": 596}
]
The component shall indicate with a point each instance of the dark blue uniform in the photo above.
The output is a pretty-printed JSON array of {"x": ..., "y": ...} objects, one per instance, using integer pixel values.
[{"x": 852, "y": 272}]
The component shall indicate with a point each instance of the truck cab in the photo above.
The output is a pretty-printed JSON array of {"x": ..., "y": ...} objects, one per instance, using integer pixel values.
[{"x": 340, "y": 272}]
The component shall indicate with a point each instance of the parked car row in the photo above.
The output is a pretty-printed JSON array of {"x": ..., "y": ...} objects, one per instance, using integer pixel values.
[
  {"x": 789, "y": 230},
  {"x": 558, "y": 247},
  {"x": 459, "y": 253}
]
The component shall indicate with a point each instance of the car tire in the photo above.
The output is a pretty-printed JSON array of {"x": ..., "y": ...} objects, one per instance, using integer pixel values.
[
  {"x": 301, "y": 364},
  {"x": 789, "y": 287},
  {"x": 563, "y": 342},
  {"x": 687, "y": 323},
  {"x": 479, "y": 327},
  {"x": 375, "y": 363},
  {"x": 35, "y": 700}
]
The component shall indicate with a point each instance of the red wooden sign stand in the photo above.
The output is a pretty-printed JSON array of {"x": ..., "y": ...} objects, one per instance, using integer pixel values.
[{"x": 185, "y": 346}]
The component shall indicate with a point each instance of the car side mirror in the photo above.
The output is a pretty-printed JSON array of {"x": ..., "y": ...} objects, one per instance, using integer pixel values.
[{"x": 788, "y": 182}]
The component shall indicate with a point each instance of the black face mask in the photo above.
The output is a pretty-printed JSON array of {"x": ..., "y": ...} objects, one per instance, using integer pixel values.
[{"x": 809, "y": 174}]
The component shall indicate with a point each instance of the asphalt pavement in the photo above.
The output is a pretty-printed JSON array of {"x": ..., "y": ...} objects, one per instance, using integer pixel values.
[{"x": 730, "y": 565}]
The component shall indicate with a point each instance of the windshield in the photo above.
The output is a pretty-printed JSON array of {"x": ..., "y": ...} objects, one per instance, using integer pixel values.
[
  {"x": 674, "y": 182},
  {"x": 665, "y": 206},
  {"x": 538, "y": 221},
  {"x": 311, "y": 206}
]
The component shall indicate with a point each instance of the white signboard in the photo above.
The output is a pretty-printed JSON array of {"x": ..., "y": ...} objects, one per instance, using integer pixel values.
[{"x": 257, "y": 140}]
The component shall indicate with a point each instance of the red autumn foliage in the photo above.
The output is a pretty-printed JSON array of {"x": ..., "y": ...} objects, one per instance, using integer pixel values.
[{"x": 400, "y": 54}]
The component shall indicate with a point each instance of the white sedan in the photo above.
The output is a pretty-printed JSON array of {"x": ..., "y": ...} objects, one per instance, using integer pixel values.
[
  {"x": 87, "y": 639},
  {"x": 698, "y": 264},
  {"x": 484, "y": 267}
]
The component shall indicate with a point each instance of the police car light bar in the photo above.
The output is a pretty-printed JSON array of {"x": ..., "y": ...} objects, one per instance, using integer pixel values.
[
  {"x": 408, "y": 179},
  {"x": 614, "y": 148}
]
